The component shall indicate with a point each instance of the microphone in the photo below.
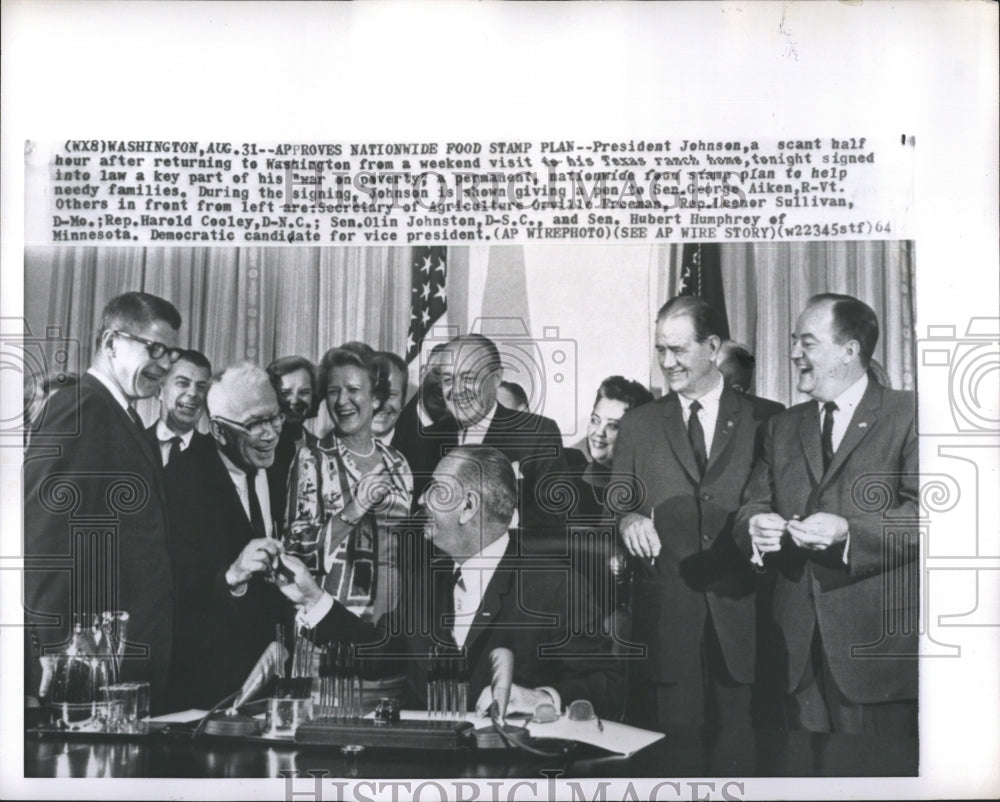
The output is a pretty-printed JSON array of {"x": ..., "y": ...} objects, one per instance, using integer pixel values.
[
  {"x": 267, "y": 666},
  {"x": 502, "y": 661}
]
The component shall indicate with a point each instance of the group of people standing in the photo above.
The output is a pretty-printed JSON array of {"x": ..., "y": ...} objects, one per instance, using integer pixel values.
[{"x": 737, "y": 556}]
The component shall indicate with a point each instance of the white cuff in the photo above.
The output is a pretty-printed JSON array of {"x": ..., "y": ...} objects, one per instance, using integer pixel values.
[
  {"x": 847, "y": 547},
  {"x": 317, "y": 613},
  {"x": 556, "y": 698}
]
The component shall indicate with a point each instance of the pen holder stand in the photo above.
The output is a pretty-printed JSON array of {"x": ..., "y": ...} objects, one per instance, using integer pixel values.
[{"x": 285, "y": 715}]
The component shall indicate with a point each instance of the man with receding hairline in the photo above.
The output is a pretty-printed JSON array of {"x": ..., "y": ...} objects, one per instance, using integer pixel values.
[
  {"x": 846, "y": 594},
  {"x": 689, "y": 455},
  {"x": 94, "y": 442},
  {"x": 223, "y": 542}
]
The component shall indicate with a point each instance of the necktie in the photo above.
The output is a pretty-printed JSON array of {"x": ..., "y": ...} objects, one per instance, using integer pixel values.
[
  {"x": 827, "y": 436},
  {"x": 135, "y": 417},
  {"x": 256, "y": 516},
  {"x": 697, "y": 437},
  {"x": 175, "y": 449}
]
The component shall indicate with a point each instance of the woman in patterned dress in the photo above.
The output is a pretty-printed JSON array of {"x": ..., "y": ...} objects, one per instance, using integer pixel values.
[{"x": 344, "y": 490}]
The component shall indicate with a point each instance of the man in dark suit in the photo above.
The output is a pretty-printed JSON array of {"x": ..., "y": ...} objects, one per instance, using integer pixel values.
[
  {"x": 182, "y": 402},
  {"x": 425, "y": 408},
  {"x": 95, "y": 514},
  {"x": 832, "y": 506},
  {"x": 471, "y": 372},
  {"x": 484, "y": 597},
  {"x": 689, "y": 456},
  {"x": 294, "y": 381},
  {"x": 221, "y": 536}
]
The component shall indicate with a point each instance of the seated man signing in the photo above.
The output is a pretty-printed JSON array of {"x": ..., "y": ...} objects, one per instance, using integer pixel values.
[{"x": 482, "y": 598}]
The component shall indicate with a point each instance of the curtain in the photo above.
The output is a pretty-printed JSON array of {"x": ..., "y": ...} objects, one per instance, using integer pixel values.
[
  {"x": 768, "y": 284},
  {"x": 236, "y": 303}
]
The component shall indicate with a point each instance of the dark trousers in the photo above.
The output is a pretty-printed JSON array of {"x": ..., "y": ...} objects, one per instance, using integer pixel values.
[
  {"x": 818, "y": 705},
  {"x": 707, "y": 694}
]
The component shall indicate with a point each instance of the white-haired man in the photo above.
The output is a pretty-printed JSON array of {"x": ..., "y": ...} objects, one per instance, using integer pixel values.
[{"x": 221, "y": 536}]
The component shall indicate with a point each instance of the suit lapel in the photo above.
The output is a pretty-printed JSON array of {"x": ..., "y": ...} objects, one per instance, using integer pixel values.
[
  {"x": 501, "y": 584},
  {"x": 137, "y": 435},
  {"x": 862, "y": 422},
  {"x": 809, "y": 438},
  {"x": 726, "y": 424},
  {"x": 677, "y": 436}
]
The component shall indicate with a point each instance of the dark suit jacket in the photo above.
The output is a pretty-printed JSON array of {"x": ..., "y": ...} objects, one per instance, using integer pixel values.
[
  {"x": 96, "y": 528},
  {"x": 217, "y": 638},
  {"x": 277, "y": 474},
  {"x": 201, "y": 443},
  {"x": 528, "y": 608},
  {"x": 533, "y": 441},
  {"x": 699, "y": 570},
  {"x": 407, "y": 435},
  {"x": 866, "y": 609}
]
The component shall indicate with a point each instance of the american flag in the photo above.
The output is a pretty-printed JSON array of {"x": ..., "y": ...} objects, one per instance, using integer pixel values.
[
  {"x": 701, "y": 275},
  {"x": 428, "y": 300}
]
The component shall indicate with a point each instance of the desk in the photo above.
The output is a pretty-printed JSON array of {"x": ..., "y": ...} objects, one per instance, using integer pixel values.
[{"x": 689, "y": 753}]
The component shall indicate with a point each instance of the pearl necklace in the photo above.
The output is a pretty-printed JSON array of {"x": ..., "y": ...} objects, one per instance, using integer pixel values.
[{"x": 358, "y": 453}]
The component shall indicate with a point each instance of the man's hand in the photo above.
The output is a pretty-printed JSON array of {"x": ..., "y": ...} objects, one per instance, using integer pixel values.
[
  {"x": 302, "y": 589},
  {"x": 766, "y": 530},
  {"x": 257, "y": 557},
  {"x": 819, "y": 531},
  {"x": 639, "y": 536},
  {"x": 372, "y": 490},
  {"x": 522, "y": 700}
]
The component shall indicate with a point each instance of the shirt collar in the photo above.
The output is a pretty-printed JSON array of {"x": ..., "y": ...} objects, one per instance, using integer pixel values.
[
  {"x": 386, "y": 439},
  {"x": 164, "y": 434},
  {"x": 487, "y": 419},
  {"x": 710, "y": 398},
  {"x": 113, "y": 388},
  {"x": 490, "y": 554},
  {"x": 422, "y": 414},
  {"x": 851, "y": 397}
]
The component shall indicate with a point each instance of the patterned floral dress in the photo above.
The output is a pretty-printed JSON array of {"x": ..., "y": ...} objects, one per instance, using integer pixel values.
[{"x": 361, "y": 571}]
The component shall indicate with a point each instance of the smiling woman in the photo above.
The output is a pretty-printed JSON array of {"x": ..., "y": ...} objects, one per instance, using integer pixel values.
[{"x": 343, "y": 490}]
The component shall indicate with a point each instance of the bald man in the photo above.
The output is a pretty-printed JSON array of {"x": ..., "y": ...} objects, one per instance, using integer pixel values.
[{"x": 221, "y": 536}]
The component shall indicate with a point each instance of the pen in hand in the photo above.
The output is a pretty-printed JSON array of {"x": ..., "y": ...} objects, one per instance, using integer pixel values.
[{"x": 652, "y": 518}]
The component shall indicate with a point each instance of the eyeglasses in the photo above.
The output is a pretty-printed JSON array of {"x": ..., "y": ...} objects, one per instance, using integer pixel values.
[
  {"x": 256, "y": 427},
  {"x": 155, "y": 349}
]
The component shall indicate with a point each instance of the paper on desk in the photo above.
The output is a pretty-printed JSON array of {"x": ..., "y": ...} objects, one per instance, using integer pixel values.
[
  {"x": 618, "y": 738},
  {"x": 180, "y": 716}
]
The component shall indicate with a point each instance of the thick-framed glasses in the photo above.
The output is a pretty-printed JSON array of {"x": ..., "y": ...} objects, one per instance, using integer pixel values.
[
  {"x": 155, "y": 349},
  {"x": 257, "y": 426}
]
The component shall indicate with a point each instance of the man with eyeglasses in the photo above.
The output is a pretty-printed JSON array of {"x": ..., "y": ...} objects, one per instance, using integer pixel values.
[
  {"x": 223, "y": 542},
  {"x": 94, "y": 497}
]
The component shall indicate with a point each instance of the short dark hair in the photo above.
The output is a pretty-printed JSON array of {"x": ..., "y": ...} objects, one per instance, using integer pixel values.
[
  {"x": 706, "y": 319},
  {"x": 196, "y": 358},
  {"x": 493, "y": 362},
  {"x": 853, "y": 319},
  {"x": 618, "y": 388},
  {"x": 284, "y": 365},
  {"x": 342, "y": 357},
  {"x": 385, "y": 361},
  {"x": 136, "y": 310},
  {"x": 486, "y": 469},
  {"x": 517, "y": 391}
]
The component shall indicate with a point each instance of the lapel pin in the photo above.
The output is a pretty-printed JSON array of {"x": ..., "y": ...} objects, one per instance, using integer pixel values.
[
  {"x": 862, "y": 425},
  {"x": 729, "y": 424}
]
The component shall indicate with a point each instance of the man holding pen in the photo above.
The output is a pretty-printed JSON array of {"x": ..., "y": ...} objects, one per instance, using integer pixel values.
[{"x": 688, "y": 457}]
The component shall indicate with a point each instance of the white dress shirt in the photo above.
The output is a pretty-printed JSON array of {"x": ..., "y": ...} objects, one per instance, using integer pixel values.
[
  {"x": 708, "y": 414},
  {"x": 239, "y": 480},
  {"x": 163, "y": 436},
  {"x": 846, "y": 403},
  {"x": 477, "y": 571},
  {"x": 475, "y": 434}
]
